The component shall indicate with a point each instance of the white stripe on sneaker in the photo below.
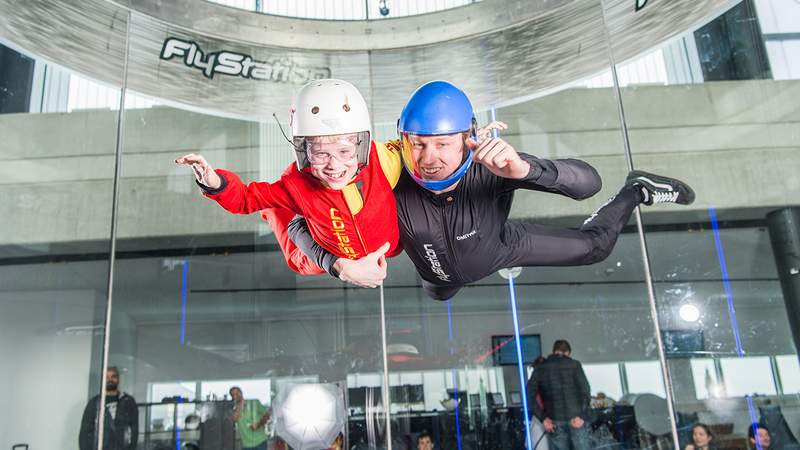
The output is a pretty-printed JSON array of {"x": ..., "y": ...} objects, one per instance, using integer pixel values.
[{"x": 658, "y": 185}]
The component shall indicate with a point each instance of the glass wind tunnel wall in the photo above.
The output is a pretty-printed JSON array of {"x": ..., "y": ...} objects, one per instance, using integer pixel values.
[
  {"x": 727, "y": 322},
  {"x": 202, "y": 301}
]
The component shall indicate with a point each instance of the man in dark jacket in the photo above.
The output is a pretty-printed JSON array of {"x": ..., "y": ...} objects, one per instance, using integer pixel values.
[
  {"x": 121, "y": 418},
  {"x": 565, "y": 393}
]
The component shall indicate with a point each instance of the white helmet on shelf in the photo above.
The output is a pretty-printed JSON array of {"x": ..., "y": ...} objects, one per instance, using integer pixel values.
[{"x": 329, "y": 107}]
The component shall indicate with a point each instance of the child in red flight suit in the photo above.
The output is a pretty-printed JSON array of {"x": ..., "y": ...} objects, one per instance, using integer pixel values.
[{"x": 342, "y": 183}]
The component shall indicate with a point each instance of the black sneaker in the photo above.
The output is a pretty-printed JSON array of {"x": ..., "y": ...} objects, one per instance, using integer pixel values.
[{"x": 660, "y": 189}]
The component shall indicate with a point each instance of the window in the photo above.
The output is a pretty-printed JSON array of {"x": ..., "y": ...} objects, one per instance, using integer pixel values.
[
  {"x": 789, "y": 372},
  {"x": 746, "y": 376},
  {"x": 604, "y": 378},
  {"x": 706, "y": 383},
  {"x": 644, "y": 377}
]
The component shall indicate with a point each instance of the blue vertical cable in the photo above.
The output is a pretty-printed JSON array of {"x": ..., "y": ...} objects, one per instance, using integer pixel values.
[
  {"x": 520, "y": 366},
  {"x": 731, "y": 309},
  {"x": 753, "y": 420},
  {"x": 184, "y": 288},
  {"x": 726, "y": 283},
  {"x": 177, "y": 427},
  {"x": 453, "y": 372},
  {"x": 183, "y": 300}
]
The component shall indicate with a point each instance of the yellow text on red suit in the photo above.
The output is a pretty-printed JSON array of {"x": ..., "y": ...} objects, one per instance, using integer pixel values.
[{"x": 343, "y": 240}]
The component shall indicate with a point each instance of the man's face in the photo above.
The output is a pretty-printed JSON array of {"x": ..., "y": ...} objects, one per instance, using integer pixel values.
[
  {"x": 112, "y": 380},
  {"x": 424, "y": 444},
  {"x": 333, "y": 159},
  {"x": 437, "y": 157},
  {"x": 763, "y": 439}
]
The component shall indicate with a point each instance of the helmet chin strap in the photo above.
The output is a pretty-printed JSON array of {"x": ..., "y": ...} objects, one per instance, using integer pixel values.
[{"x": 440, "y": 185}]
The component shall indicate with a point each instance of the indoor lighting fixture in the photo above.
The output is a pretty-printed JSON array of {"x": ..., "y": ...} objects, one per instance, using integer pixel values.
[
  {"x": 689, "y": 312},
  {"x": 309, "y": 416}
]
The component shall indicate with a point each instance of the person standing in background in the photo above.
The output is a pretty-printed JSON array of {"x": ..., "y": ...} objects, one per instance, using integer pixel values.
[
  {"x": 121, "y": 418},
  {"x": 250, "y": 417},
  {"x": 565, "y": 397}
]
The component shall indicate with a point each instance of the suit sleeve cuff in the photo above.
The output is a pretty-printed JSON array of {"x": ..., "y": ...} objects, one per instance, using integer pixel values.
[
  {"x": 211, "y": 191},
  {"x": 536, "y": 170}
]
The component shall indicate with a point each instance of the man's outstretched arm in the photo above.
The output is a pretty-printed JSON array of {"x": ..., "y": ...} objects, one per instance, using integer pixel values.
[{"x": 573, "y": 178}]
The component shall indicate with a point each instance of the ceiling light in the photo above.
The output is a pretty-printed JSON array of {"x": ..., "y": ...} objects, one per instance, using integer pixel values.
[{"x": 689, "y": 312}]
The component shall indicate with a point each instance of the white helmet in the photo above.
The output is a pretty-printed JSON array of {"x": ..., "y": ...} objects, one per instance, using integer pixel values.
[{"x": 329, "y": 107}]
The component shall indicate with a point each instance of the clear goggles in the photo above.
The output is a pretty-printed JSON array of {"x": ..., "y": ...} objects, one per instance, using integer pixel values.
[{"x": 320, "y": 151}]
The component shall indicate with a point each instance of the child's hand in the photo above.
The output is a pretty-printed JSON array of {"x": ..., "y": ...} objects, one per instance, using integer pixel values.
[{"x": 203, "y": 171}]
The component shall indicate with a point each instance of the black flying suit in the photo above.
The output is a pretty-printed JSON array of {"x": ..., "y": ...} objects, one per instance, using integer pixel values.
[{"x": 461, "y": 236}]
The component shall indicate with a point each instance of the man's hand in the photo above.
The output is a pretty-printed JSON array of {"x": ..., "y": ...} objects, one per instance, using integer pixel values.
[
  {"x": 549, "y": 426},
  {"x": 202, "y": 170},
  {"x": 576, "y": 422},
  {"x": 500, "y": 158},
  {"x": 368, "y": 272}
]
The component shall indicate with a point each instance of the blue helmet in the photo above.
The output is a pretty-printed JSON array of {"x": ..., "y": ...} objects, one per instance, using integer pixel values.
[{"x": 436, "y": 108}]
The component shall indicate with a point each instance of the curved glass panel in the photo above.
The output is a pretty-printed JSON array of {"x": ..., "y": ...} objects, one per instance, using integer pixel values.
[
  {"x": 216, "y": 343},
  {"x": 58, "y": 129},
  {"x": 719, "y": 118},
  {"x": 601, "y": 309},
  {"x": 204, "y": 301},
  {"x": 466, "y": 349}
]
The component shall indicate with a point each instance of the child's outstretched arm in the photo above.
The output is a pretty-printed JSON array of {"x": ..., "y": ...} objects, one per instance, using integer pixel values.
[{"x": 231, "y": 193}]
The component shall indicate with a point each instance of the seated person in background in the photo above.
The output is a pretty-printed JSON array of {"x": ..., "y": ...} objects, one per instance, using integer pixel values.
[
  {"x": 424, "y": 441},
  {"x": 602, "y": 402},
  {"x": 701, "y": 437},
  {"x": 759, "y": 437}
]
